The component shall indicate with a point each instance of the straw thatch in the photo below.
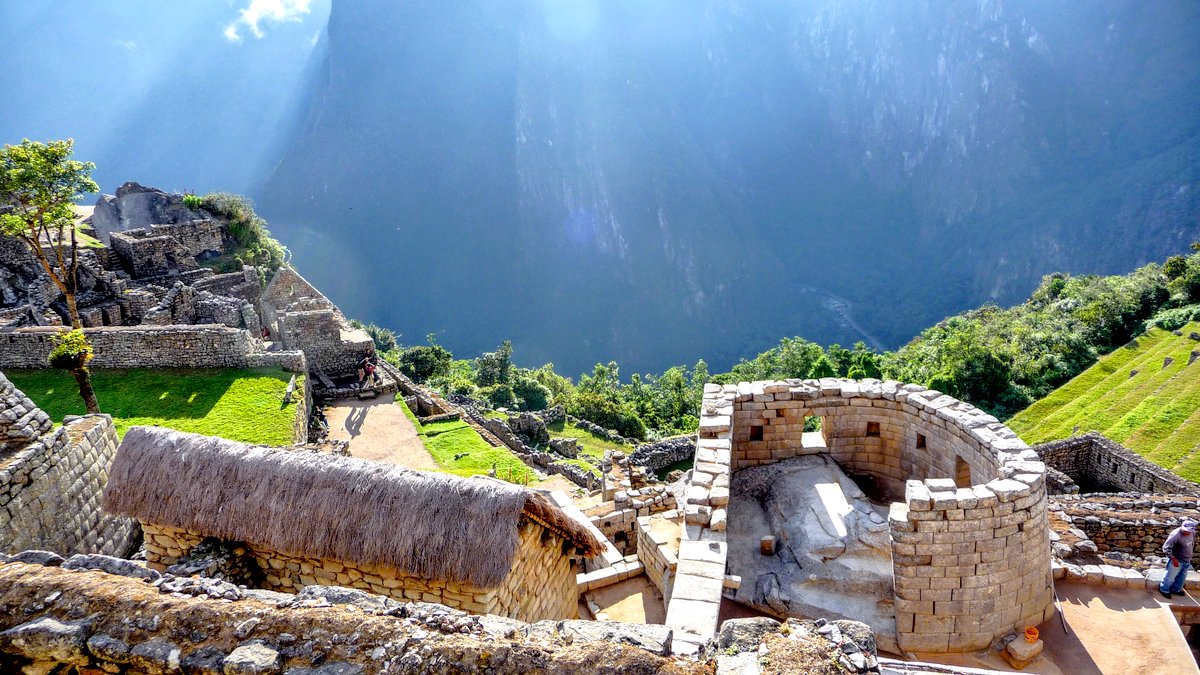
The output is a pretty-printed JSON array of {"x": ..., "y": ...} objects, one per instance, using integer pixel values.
[{"x": 430, "y": 525}]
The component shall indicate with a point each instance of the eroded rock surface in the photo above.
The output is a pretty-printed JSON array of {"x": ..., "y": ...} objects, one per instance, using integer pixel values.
[{"x": 833, "y": 556}]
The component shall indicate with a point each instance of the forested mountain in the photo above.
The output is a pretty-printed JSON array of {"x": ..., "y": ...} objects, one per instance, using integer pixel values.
[
  {"x": 646, "y": 182},
  {"x": 655, "y": 181}
]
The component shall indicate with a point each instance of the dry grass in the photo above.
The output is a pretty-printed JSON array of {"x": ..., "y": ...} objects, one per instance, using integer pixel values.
[{"x": 338, "y": 508}]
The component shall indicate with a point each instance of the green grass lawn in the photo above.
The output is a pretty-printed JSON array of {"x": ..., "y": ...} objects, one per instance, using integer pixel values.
[
  {"x": 241, "y": 405},
  {"x": 1153, "y": 411},
  {"x": 591, "y": 446},
  {"x": 446, "y": 439}
]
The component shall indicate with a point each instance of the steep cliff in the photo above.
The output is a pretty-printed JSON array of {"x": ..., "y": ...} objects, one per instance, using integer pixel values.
[{"x": 655, "y": 182}]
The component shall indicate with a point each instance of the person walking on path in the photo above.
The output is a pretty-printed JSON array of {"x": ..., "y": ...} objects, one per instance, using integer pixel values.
[{"x": 1178, "y": 549}]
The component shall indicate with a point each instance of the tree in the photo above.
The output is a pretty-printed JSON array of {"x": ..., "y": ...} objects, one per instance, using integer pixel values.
[
  {"x": 72, "y": 351},
  {"x": 39, "y": 183}
]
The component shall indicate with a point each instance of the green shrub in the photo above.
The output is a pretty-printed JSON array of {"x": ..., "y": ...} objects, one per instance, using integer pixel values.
[
  {"x": 499, "y": 395},
  {"x": 425, "y": 361},
  {"x": 533, "y": 395},
  {"x": 607, "y": 413},
  {"x": 193, "y": 202},
  {"x": 255, "y": 244},
  {"x": 384, "y": 339}
]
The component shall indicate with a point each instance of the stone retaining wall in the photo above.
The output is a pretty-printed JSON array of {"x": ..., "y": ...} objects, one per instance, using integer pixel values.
[
  {"x": 1097, "y": 464},
  {"x": 620, "y": 524},
  {"x": 186, "y": 346},
  {"x": 661, "y": 454},
  {"x": 657, "y": 555},
  {"x": 541, "y": 584},
  {"x": 51, "y": 481},
  {"x": 970, "y": 540}
]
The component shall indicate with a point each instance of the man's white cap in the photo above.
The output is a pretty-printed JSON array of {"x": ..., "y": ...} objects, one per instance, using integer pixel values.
[{"x": 1189, "y": 525}]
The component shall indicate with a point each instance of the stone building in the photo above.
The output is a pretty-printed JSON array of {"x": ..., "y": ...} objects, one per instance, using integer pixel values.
[
  {"x": 51, "y": 478},
  {"x": 478, "y": 545},
  {"x": 966, "y": 526}
]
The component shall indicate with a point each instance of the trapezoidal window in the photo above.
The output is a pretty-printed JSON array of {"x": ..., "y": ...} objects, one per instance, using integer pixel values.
[
  {"x": 921, "y": 441},
  {"x": 962, "y": 472},
  {"x": 756, "y": 433},
  {"x": 872, "y": 428}
]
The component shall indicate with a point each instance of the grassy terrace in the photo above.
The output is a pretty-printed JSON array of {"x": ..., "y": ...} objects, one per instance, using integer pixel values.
[
  {"x": 242, "y": 405},
  {"x": 1155, "y": 412},
  {"x": 445, "y": 440},
  {"x": 591, "y": 446}
]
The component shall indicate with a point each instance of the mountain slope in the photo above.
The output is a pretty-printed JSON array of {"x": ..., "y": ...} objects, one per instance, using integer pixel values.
[
  {"x": 652, "y": 182},
  {"x": 1145, "y": 396}
]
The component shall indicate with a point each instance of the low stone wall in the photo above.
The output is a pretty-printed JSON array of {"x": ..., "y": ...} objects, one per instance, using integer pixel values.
[
  {"x": 51, "y": 481},
  {"x": 591, "y": 427},
  {"x": 1128, "y": 523},
  {"x": 657, "y": 555},
  {"x": 541, "y": 584},
  {"x": 661, "y": 454},
  {"x": 187, "y": 346},
  {"x": 620, "y": 524},
  {"x": 1097, "y": 464}
]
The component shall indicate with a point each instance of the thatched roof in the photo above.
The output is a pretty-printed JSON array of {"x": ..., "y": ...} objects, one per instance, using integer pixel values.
[{"x": 431, "y": 525}]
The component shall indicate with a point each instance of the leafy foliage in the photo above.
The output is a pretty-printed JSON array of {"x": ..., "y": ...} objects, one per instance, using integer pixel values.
[
  {"x": 249, "y": 230},
  {"x": 71, "y": 350},
  {"x": 384, "y": 339},
  {"x": 39, "y": 184}
]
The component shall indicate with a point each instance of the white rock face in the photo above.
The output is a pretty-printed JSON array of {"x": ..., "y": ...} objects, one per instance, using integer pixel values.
[{"x": 833, "y": 557}]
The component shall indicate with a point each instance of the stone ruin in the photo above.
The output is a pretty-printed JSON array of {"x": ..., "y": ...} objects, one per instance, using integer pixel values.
[
  {"x": 148, "y": 300},
  {"x": 947, "y": 492}
]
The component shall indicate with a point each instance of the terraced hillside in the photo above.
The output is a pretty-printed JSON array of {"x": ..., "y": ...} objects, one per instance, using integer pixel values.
[{"x": 1144, "y": 395}]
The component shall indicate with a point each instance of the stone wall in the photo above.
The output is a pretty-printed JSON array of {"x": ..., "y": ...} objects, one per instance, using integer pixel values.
[
  {"x": 661, "y": 454},
  {"x": 150, "y": 347},
  {"x": 326, "y": 343},
  {"x": 657, "y": 553},
  {"x": 51, "y": 481},
  {"x": 1097, "y": 464},
  {"x": 167, "y": 249},
  {"x": 971, "y": 554},
  {"x": 540, "y": 586},
  {"x": 619, "y": 523}
]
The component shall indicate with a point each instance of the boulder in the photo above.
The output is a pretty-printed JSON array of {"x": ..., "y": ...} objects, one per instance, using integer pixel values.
[
  {"x": 108, "y": 648},
  {"x": 340, "y": 595},
  {"x": 651, "y": 637},
  {"x": 34, "y": 557},
  {"x": 254, "y": 658},
  {"x": 110, "y": 565},
  {"x": 204, "y": 661},
  {"x": 156, "y": 657},
  {"x": 47, "y": 639},
  {"x": 743, "y": 635}
]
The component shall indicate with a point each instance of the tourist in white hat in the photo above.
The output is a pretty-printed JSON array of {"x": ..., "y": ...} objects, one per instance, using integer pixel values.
[{"x": 1178, "y": 549}]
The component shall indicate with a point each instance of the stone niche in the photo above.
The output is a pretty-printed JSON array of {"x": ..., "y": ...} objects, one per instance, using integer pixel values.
[{"x": 964, "y": 498}]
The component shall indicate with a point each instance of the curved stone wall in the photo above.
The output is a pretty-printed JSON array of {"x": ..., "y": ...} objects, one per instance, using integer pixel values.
[{"x": 970, "y": 542}]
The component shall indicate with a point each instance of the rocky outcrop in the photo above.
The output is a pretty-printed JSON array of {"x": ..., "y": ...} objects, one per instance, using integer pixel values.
[
  {"x": 54, "y": 617},
  {"x": 137, "y": 206}
]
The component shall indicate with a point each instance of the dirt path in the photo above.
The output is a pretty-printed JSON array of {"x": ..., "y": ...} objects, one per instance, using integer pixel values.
[{"x": 379, "y": 431}]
